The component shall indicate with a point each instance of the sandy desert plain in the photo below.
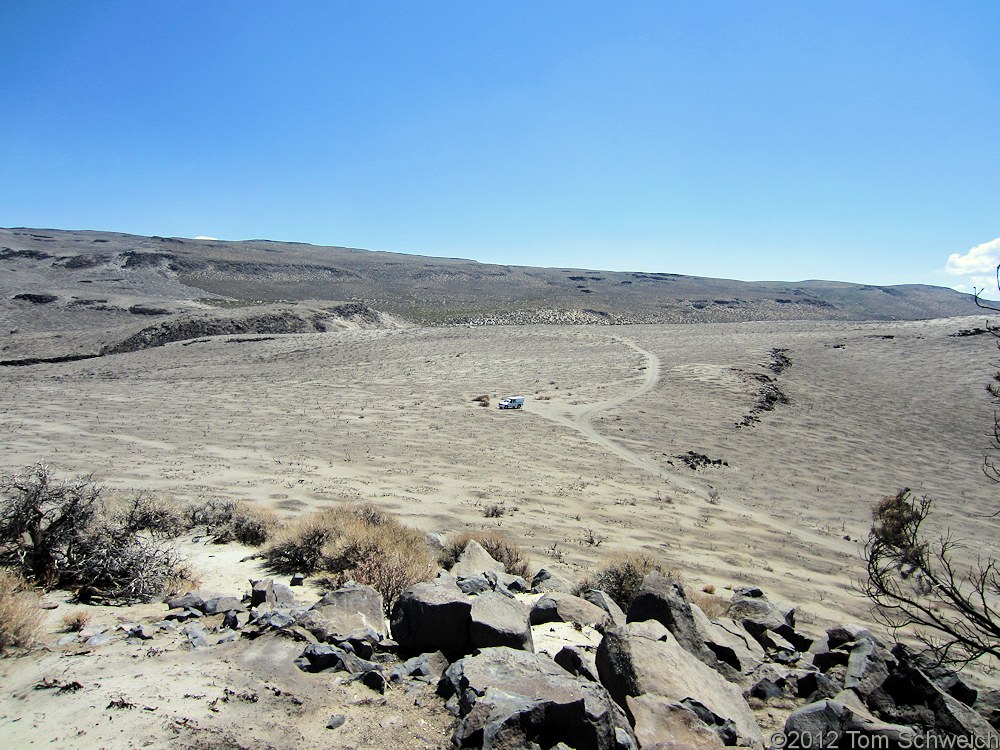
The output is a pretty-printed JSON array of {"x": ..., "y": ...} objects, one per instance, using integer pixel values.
[{"x": 591, "y": 464}]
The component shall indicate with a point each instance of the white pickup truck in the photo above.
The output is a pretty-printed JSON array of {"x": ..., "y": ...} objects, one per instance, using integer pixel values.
[{"x": 511, "y": 402}]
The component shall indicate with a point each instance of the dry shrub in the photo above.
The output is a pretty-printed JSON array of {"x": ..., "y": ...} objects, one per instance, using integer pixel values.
[
  {"x": 620, "y": 575},
  {"x": 145, "y": 513},
  {"x": 713, "y": 606},
  {"x": 248, "y": 524},
  {"x": 499, "y": 547},
  {"x": 483, "y": 400},
  {"x": 209, "y": 513},
  {"x": 20, "y": 615},
  {"x": 64, "y": 534},
  {"x": 355, "y": 542},
  {"x": 227, "y": 520},
  {"x": 74, "y": 622},
  {"x": 495, "y": 510}
]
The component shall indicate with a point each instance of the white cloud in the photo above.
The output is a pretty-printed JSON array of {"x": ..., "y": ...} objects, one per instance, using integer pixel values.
[
  {"x": 982, "y": 259},
  {"x": 205, "y": 237}
]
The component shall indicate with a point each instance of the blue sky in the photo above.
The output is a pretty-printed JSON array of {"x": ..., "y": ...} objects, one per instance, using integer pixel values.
[{"x": 751, "y": 140}]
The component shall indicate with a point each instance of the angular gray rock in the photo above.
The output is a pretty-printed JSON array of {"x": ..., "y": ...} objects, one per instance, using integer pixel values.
[
  {"x": 645, "y": 658},
  {"x": 760, "y": 616},
  {"x": 219, "y": 604},
  {"x": 546, "y": 581},
  {"x": 508, "y": 698},
  {"x": 475, "y": 561},
  {"x": 661, "y": 723},
  {"x": 477, "y": 584},
  {"x": 190, "y": 600},
  {"x": 909, "y": 695},
  {"x": 427, "y": 667},
  {"x": 578, "y": 661},
  {"x": 350, "y": 612},
  {"x": 663, "y": 599},
  {"x": 832, "y": 723},
  {"x": 497, "y": 620},
  {"x": 432, "y": 616},
  {"x": 732, "y": 644},
  {"x": 609, "y": 605},
  {"x": 868, "y": 666},
  {"x": 262, "y": 592},
  {"x": 559, "y": 607},
  {"x": 322, "y": 657}
]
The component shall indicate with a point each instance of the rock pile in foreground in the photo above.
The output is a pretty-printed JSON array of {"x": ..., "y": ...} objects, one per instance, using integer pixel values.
[{"x": 659, "y": 675}]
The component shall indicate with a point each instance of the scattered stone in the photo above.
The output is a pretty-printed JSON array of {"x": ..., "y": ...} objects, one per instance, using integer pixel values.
[
  {"x": 508, "y": 582},
  {"x": 661, "y": 723},
  {"x": 474, "y": 585},
  {"x": 190, "y": 600},
  {"x": 844, "y": 634},
  {"x": 910, "y": 696},
  {"x": 143, "y": 632},
  {"x": 831, "y": 722},
  {"x": 868, "y": 666},
  {"x": 262, "y": 592},
  {"x": 222, "y": 604},
  {"x": 336, "y": 721},
  {"x": 374, "y": 680},
  {"x": 236, "y": 620},
  {"x": 732, "y": 644},
  {"x": 429, "y": 667},
  {"x": 297, "y": 580},
  {"x": 99, "y": 639},
  {"x": 275, "y": 619}
]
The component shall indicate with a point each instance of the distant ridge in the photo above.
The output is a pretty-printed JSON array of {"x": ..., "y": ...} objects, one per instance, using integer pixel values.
[{"x": 426, "y": 290}]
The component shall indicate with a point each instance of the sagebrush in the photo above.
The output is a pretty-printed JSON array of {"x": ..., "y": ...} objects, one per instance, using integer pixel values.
[
  {"x": 358, "y": 542},
  {"x": 499, "y": 547},
  {"x": 620, "y": 575}
]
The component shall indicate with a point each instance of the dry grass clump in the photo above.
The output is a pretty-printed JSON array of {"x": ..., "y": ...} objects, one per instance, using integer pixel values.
[
  {"x": 713, "y": 606},
  {"x": 74, "y": 622},
  {"x": 358, "y": 542},
  {"x": 620, "y": 575},
  {"x": 20, "y": 615},
  {"x": 499, "y": 547}
]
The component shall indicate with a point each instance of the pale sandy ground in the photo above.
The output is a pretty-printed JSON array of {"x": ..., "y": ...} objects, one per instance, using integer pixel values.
[{"x": 305, "y": 421}]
